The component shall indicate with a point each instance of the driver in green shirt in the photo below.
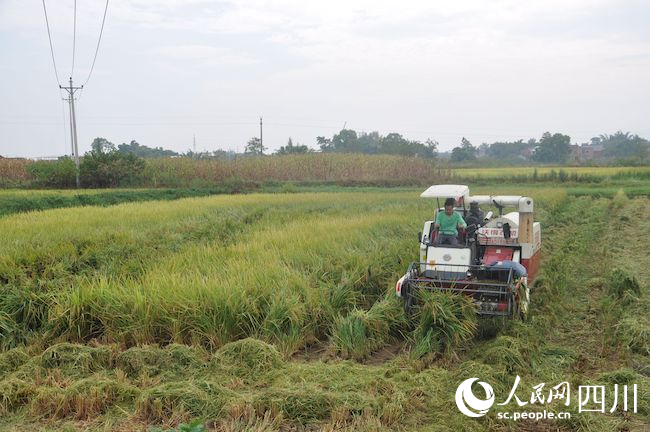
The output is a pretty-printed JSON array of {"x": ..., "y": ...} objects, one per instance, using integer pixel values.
[{"x": 447, "y": 223}]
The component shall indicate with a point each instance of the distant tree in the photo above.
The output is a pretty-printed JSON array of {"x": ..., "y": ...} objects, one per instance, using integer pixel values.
[
  {"x": 102, "y": 145},
  {"x": 370, "y": 143},
  {"x": 325, "y": 144},
  {"x": 506, "y": 150},
  {"x": 466, "y": 152},
  {"x": 431, "y": 147},
  {"x": 346, "y": 141},
  {"x": 625, "y": 145},
  {"x": 554, "y": 148},
  {"x": 290, "y": 148},
  {"x": 394, "y": 143},
  {"x": 254, "y": 146},
  {"x": 144, "y": 151}
]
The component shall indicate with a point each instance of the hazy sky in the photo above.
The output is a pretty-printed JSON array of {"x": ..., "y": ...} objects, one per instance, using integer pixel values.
[{"x": 171, "y": 69}]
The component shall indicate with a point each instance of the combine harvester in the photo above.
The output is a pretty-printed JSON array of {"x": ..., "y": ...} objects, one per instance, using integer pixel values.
[{"x": 494, "y": 262}]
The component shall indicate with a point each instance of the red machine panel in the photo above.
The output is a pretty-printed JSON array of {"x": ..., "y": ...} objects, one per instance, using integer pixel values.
[
  {"x": 497, "y": 253},
  {"x": 532, "y": 265}
]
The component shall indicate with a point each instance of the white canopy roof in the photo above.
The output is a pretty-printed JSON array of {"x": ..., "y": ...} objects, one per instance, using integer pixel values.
[
  {"x": 446, "y": 191},
  {"x": 523, "y": 204}
]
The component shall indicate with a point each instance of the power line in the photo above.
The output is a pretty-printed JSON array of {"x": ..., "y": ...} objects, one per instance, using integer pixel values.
[
  {"x": 74, "y": 36},
  {"x": 49, "y": 36},
  {"x": 101, "y": 31}
]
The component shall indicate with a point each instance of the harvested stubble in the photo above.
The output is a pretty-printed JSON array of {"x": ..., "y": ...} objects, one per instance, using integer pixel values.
[
  {"x": 84, "y": 399},
  {"x": 250, "y": 360},
  {"x": 181, "y": 401},
  {"x": 151, "y": 360}
]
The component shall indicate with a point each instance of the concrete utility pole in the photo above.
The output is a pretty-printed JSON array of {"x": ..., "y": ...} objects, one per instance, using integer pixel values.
[
  {"x": 261, "y": 140},
  {"x": 73, "y": 126}
]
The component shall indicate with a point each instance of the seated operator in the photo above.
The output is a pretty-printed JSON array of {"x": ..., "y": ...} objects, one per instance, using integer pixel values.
[
  {"x": 447, "y": 223},
  {"x": 475, "y": 215}
]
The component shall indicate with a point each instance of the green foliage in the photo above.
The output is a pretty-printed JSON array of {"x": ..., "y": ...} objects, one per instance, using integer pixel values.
[
  {"x": 104, "y": 166},
  {"x": 466, "y": 152},
  {"x": 554, "y": 148},
  {"x": 143, "y": 151},
  {"x": 348, "y": 141},
  {"x": 53, "y": 174},
  {"x": 254, "y": 147},
  {"x": 623, "y": 145},
  {"x": 290, "y": 148},
  {"x": 509, "y": 150}
]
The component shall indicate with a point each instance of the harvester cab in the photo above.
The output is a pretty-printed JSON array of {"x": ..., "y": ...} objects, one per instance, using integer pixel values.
[{"x": 493, "y": 260}]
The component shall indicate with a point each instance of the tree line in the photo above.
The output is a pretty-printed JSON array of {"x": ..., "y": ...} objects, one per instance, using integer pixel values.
[
  {"x": 556, "y": 148},
  {"x": 349, "y": 141},
  {"x": 550, "y": 148}
]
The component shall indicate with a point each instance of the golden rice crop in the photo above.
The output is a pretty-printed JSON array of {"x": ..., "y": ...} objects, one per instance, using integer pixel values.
[
  {"x": 208, "y": 270},
  {"x": 532, "y": 172}
]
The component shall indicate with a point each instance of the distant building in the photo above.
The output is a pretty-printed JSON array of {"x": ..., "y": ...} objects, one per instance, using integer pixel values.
[
  {"x": 585, "y": 152},
  {"x": 527, "y": 153}
]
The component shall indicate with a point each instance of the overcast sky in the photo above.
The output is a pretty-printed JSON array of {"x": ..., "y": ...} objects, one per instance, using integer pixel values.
[{"x": 171, "y": 69}]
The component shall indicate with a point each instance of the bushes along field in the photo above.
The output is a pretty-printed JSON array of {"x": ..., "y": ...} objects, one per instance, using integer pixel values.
[{"x": 344, "y": 169}]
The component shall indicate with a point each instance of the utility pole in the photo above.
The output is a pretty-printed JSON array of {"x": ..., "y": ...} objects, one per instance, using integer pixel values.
[
  {"x": 71, "y": 130},
  {"x": 73, "y": 126},
  {"x": 261, "y": 138}
]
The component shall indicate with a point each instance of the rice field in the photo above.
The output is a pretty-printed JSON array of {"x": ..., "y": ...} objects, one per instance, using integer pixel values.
[
  {"x": 274, "y": 312},
  {"x": 581, "y": 174}
]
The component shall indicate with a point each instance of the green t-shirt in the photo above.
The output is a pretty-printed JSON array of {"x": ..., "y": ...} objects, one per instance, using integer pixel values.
[{"x": 448, "y": 223}]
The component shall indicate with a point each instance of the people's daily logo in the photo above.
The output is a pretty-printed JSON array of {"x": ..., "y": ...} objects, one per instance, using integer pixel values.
[
  {"x": 595, "y": 398},
  {"x": 469, "y": 404}
]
